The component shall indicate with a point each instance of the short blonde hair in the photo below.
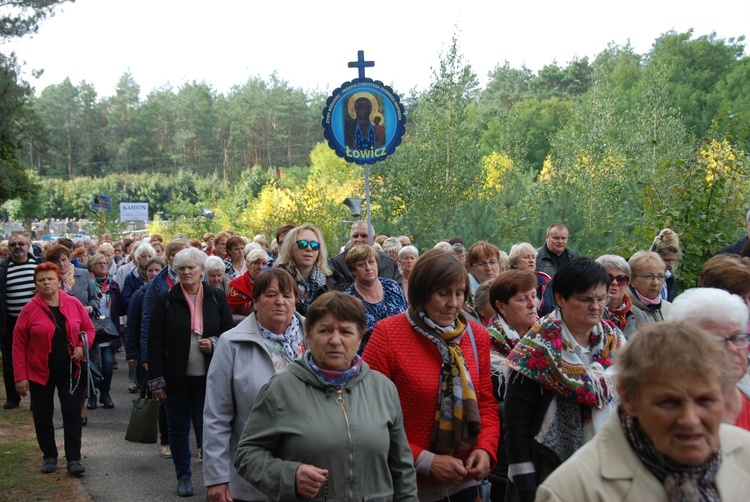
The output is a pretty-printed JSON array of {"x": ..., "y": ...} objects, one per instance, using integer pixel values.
[
  {"x": 516, "y": 250},
  {"x": 642, "y": 259}
]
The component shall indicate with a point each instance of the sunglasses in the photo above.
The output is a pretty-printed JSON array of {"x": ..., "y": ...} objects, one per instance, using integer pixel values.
[
  {"x": 16, "y": 244},
  {"x": 623, "y": 280},
  {"x": 314, "y": 245}
]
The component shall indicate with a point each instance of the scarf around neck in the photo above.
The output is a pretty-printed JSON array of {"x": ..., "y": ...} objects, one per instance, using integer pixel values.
[
  {"x": 546, "y": 355},
  {"x": 102, "y": 286},
  {"x": 457, "y": 420},
  {"x": 69, "y": 280},
  {"x": 331, "y": 378},
  {"x": 289, "y": 339},
  {"x": 683, "y": 483},
  {"x": 619, "y": 315},
  {"x": 196, "y": 309},
  {"x": 652, "y": 304}
]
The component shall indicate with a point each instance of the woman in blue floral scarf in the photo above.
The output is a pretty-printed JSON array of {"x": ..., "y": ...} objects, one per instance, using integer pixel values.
[{"x": 558, "y": 391}]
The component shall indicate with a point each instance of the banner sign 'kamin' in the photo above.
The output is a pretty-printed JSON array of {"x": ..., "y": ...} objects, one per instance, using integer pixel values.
[{"x": 363, "y": 120}]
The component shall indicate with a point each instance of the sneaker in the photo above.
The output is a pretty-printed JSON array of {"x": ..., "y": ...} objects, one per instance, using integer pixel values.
[
  {"x": 49, "y": 466},
  {"x": 165, "y": 451},
  {"x": 75, "y": 468},
  {"x": 185, "y": 486}
]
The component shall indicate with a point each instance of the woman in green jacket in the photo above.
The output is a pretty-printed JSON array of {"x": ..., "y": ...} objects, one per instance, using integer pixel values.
[{"x": 328, "y": 427}]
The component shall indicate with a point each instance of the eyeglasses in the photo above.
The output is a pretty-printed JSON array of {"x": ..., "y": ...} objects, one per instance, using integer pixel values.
[
  {"x": 652, "y": 277},
  {"x": 99, "y": 263},
  {"x": 623, "y": 280},
  {"x": 591, "y": 300},
  {"x": 314, "y": 245},
  {"x": 740, "y": 340},
  {"x": 491, "y": 263},
  {"x": 17, "y": 244}
]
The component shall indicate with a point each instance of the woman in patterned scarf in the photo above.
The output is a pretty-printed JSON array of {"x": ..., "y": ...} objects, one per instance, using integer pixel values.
[
  {"x": 304, "y": 255},
  {"x": 440, "y": 363},
  {"x": 666, "y": 442},
  {"x": 558, "y": 387}
]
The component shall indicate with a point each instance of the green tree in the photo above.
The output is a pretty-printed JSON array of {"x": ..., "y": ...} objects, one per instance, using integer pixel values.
[
  {"x": 14, "y": 178},
  {"x": 22, "y": 17},
  {"x": 122, "y": 109}
]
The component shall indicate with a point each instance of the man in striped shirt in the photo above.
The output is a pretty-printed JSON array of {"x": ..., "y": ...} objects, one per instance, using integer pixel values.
[{"x": 16, "y": 289}]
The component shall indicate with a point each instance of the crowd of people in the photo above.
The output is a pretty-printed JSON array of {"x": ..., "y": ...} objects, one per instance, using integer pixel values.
[{"x": 462, "y": 373}]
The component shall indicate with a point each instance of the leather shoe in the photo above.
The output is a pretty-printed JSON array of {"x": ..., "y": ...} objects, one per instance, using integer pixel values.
[
  {"x": 91, "y": 405},
  {"x": 106, "y": 401},
  {"x": 185, "y": 486},
  {"x": 75, "y": 468},
  {"x": 49, "y": 466},
  {"x": 84, "y": 420},
  {"x": 9, "y": 405}
]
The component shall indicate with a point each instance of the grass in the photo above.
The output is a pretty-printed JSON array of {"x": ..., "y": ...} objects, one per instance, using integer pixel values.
[{"x": 20, "y": 460}]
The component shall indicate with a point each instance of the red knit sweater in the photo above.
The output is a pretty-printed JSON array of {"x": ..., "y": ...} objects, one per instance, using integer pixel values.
[{"x": 413, "y": 363}]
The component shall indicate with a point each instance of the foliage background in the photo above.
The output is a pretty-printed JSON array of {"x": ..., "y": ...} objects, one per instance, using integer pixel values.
[{"x": 617, "y": 148}]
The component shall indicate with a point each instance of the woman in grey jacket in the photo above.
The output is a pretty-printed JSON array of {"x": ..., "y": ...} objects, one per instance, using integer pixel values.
[
  {"x": 329, "y": 428},
  {"x": 264, "y": 343}
]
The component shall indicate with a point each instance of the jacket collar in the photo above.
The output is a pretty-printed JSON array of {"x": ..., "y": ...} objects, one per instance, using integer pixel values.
[
  {"x": 301, "y": 370},
  {"x": 731, "y": 481}
]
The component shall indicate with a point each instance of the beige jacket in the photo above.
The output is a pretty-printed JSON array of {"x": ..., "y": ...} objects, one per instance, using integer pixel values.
[{"x": 606, "y": 469}]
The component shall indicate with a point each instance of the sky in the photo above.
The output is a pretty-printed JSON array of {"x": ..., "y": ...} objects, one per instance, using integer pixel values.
[{"x": 224, "y": 43}]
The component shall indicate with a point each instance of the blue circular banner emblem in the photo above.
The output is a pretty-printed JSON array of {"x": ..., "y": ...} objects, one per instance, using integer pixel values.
[{"x": 364, "y": 121}]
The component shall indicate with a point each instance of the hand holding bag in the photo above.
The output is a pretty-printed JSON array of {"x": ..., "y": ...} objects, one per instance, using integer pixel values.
[
  {"x": 105, "y": 329},
  {"x": 144, "y": 417}
]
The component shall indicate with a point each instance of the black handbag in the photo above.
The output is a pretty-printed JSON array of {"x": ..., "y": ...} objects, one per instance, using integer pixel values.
[
  {"x": 144, "y": 418},
  {"x": 105, "y": 328}
]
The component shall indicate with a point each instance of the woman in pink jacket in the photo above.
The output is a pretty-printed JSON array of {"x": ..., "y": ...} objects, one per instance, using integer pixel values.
[{"x": 47, "y": 354}]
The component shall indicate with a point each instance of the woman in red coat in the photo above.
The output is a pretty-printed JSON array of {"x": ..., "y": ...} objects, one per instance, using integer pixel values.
[
  {"x": 47, "y": 354},
  {"x": 434, "y": 354}
]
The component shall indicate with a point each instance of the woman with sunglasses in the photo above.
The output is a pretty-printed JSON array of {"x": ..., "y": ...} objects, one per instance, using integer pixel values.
[
  {"x": 304, "y": 255},
  {"x": 620, "y": 309}
]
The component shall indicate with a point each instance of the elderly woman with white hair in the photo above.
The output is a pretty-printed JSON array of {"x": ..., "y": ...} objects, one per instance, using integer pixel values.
[
  {"x": 391, "y": 246},
  {"x": 215, "y": 271},
  {"x": 407, "y": 257},
  {"x": 240, "y": 290},
  {"x": 523, "y": 257},
  {"x": 620, "y": 309},
  {"x": 137, "y": 277},
  {"x": 725, "y": 316},
  {"x": 648, "y": 276},
  {"x": 184, "y": 327}
]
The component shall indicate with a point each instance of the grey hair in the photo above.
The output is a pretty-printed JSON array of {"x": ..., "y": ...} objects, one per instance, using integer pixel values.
[
  {"x": 144, "y": 248},
  {"x": 458, "y": 248},
  {"x": 251, "y": 246},
  {"x": 444, "y": 246},
  {"x": 614, "y": 261},
  {"x": 255, "y": 255},
  {"x": 371, "y": 231},
  {"x": 517, "y": 249},
  {"x": 482, "y": 293},
  {"x": 187, "y": 254},
  {"x": 711, "y": 305},
  {"x": 391, "y": 243},
  {"x": 409, "y": 250},
  {"x": 214, "y": 263}
]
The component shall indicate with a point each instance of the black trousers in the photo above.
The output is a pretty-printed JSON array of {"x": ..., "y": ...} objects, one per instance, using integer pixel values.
[
  {"x": 43, "y": 407},
  {"x": 7, "y": 346}
]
